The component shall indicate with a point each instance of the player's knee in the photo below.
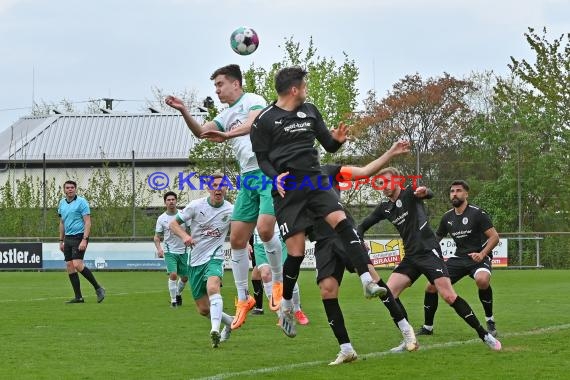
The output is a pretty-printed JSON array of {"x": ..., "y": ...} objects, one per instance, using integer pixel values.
[
  {"x": 238, "y": 242},
  {"x": 329, "y": 288},
  {"x": 266, "y": 274},
  {"x": 482, "y": 283},
  {"x": 78, "y": 265},
  {"x": 265, "y": 233},
  {"x": 448, "y": 297},
  {"x": 430, "y": 288}
]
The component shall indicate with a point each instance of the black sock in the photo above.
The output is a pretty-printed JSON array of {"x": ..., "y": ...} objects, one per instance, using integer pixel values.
[
  {"x": 74, "y": 279},
  {"x": 89, "y": 276},
  {"x": 257, "y": 293},
  {"x": 430, "y": 307},
  {"x": 486, "y": 298},
  {"x": 402, "y": 307},
  {"x": 393, "y": 307},
  {"x": 291, "y": 268},
  {"x": 352, "y": 245},
  {"x": 336, "y": 320},
  {"x": 463, "y": 309}
]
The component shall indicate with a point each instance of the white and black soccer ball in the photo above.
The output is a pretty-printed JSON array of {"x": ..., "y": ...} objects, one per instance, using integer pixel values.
[{"x": 244, "y": 40}]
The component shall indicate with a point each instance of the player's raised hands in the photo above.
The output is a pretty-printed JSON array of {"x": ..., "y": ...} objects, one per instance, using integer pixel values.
[
  {"x": 400, "y": 147},
  {"x": 340, "y": 134},
  {"x": 175, "y": 103}
]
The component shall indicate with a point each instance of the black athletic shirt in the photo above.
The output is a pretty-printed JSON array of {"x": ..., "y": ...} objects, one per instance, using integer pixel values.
[
  {"x": 285, "y": 140},
  {"x": 409, "y": 217},
  {"x": 467, "y": 230}
]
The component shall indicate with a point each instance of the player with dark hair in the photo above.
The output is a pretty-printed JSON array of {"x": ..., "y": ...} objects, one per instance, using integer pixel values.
[
  {"x": 209, "y": 221},
  {"x": 332, "y": 260},
  {"x": 475, "y": 238},
  {"x": 283, "y": 138},
  {"x": 74, "y": 229},
  {"x": 176, "y": 254},
  {"x": 254, "y": 205},
  {"x": 405, "y": 209}
]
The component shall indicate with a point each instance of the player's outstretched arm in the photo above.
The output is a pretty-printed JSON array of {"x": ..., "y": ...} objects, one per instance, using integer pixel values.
[
  {"x": 398, "y": 148},
  {"x": 242, "y": 130},
  {"x": 192, "y": 124}
]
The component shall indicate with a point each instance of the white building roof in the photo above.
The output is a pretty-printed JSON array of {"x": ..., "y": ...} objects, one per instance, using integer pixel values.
[{"x": 98, "y": 137}]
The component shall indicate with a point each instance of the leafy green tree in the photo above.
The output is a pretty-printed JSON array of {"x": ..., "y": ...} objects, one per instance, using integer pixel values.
[
  {"x": 332, "y": 85},
  {"x": 525, "y": 141}
]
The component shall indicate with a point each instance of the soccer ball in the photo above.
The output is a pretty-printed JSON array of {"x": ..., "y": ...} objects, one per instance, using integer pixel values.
[{"x": 244, "y": 40}]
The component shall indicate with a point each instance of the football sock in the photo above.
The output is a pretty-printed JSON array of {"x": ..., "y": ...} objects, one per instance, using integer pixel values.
[
  {"x": 336, "y": 320},
  {"x": 463, "y": 309},
  {"x": 181, "y": 285},
  {"x": 75, "y": 284},
  {"x": 390, "y": 303},
  {"x": 274, "y": 253},
  {"x": 258, "y": 293},
  {"x": 172, "y": 289},
  {"x": 296, "y": 298},
  {"x": 291, "y": 269},
  {"x": 430, "y": 307},
  {"x": 216, "y": 309},
  {"x": 353, "y": 247},
  {"x": 89, "y": 276},
  {"x": 240, "y": 269},
  {"x": 486, "y": 298}
]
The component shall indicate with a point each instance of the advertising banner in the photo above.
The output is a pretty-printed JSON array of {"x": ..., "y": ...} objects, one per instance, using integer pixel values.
[
  {"x": 387, "y": 253},
  {"x": 384, "y": 253},
  {"x": 20, "y": 255}
]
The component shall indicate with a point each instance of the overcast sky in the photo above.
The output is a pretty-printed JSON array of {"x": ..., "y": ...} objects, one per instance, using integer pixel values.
[{"x": 79, "y": 50}]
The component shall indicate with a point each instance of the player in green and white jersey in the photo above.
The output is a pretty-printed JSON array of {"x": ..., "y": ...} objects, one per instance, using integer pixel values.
[
  {"x": 174, "y": 252},
  {"x": 209, "y": 220},
  {"x": 254, "y": 203}
]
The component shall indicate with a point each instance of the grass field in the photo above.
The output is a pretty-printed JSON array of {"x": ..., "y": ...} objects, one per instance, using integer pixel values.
[{"x": 134, "y": 334}]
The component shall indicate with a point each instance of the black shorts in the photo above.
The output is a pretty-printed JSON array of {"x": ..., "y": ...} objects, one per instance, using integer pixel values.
[
  {"x": 71, "y": 248},
  {"x": 461, "y": 266},
  {"x": 297, "y": 210},
  {"x": 428, "y": 263},
  {"x": 332, "y": 259}
]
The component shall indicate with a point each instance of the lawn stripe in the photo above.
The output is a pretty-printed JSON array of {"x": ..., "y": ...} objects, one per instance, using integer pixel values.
[{"x": 379, "y": 354}]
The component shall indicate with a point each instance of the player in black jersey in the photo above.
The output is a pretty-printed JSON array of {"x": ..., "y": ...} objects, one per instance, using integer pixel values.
[
  {"x": 475, "y": 238},
  {"x": 404, "y": 207},
  {"x": 283, "y": 139},
  {"x": 332, "y": 260}
]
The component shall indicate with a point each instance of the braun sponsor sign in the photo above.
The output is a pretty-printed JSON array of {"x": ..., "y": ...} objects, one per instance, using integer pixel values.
[{"x": 20, "y": 255}]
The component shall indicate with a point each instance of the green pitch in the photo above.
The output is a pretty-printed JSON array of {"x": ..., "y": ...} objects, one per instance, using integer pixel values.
[{"x": 134, "y": 334}]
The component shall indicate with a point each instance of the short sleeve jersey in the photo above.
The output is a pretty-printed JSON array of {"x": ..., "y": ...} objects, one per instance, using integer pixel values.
[
  {"x": 288, "y": 137},
  {"x": 209, "y": 227},
  {"x": 72, "y": 214},
  {"x": 467, "y": 230},
  {"x": 409, "y": 217},
  {"x": 232, "y": 117},
  {"x": 172, "y": 243}
]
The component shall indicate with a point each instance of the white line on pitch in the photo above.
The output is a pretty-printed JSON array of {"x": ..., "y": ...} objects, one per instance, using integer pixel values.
[
  {"x": 62, "y": 298},
  {"x": 377, "y": 354}
]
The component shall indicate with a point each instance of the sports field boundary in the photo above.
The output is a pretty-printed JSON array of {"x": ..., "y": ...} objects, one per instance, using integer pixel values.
[{"x": 260, "y": 371}]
